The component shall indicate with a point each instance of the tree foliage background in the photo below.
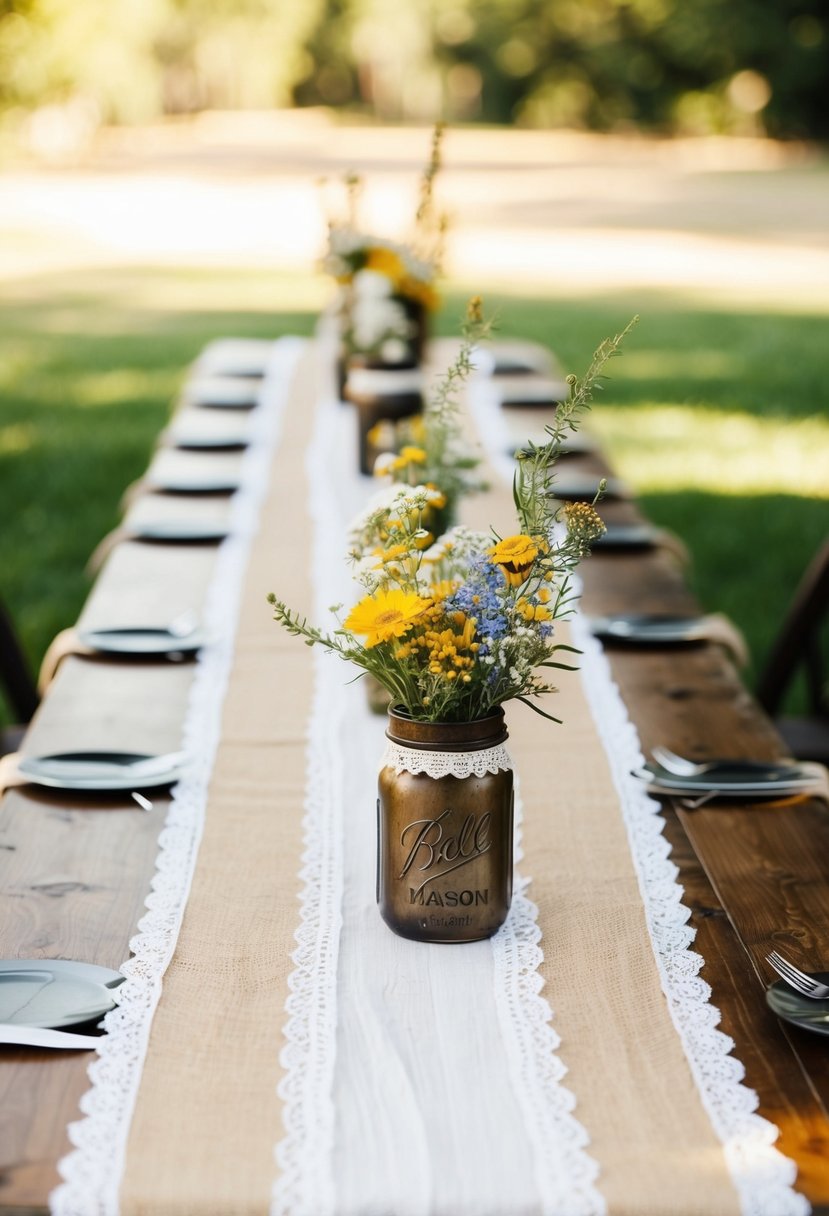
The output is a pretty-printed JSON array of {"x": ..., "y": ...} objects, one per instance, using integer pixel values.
[{"x": 687, "y": 66}]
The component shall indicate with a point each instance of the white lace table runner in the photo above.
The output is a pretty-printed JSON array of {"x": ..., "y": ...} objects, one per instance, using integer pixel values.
[
  {"x": 492, "y": 1062},
  {"x": 92, "y": 1173},
  {"x": 418, "y": 1055}
]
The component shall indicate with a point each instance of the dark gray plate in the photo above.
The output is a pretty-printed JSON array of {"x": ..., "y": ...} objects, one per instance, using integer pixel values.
[
  {"x": 205, "y": 485},
  {"x": 211, "y": 443},
  {"x": 645, "y": 629},
  {"x": 584, "y": 489},
  {"x": 627, "y": 536},
  {"x": 140, "y": 641},
  {"x": 52, "y": 993},
  {"x": 797, "y": 1009},
  {"x": 230, "y": 393},
  {"x": 100, "y": 770},
  {"x": 180, "y": 531},
  {"x": 732, "y": 779}
]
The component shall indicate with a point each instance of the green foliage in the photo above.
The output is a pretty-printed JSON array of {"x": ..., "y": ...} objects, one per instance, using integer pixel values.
[
  {"x": 699, "y": 66},
  {"x": 89, "y": 366}
]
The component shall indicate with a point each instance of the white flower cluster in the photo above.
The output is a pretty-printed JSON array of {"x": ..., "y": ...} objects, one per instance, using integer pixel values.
[
  {"x": 346, "y": 244},
  {"x": 378, "y": 322}
]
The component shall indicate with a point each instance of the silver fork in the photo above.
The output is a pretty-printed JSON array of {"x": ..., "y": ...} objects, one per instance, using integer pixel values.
[
  {"x": 683, "y": 767},
  {"x": 799, "y": 980}
]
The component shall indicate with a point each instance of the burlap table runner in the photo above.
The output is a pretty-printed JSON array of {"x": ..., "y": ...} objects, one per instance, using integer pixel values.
[{"x": 207, "y": 1115}]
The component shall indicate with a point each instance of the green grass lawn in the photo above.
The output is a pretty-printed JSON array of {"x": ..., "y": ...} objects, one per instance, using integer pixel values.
[{"x": 717, "y": 415}]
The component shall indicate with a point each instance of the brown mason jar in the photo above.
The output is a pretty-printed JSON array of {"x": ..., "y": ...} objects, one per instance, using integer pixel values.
[
  {"x": 444, "y": 843},
  {"x": 380, "y": 396}
]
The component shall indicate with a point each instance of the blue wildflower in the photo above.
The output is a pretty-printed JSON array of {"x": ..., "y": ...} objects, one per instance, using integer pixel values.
[{"x": 480, "y": 597}]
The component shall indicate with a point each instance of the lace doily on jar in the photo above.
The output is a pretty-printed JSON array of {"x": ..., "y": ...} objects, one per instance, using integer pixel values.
[{"x": 446, "y": 764}]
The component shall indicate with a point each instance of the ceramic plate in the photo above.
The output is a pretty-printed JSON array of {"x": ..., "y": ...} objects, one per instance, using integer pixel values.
[
  {"x": 223, "y": 392},
  {"x": 644, "y": 629},
  {"x": 210, "y": 443},
  {"x": 140, "y": 641},
  {"x": 584, "y": 489},
  {"x": 235, "y": 357},
  {"x": 214, "y": 485},
  {"x": 627, "y": 536},
  {"x": 576, "y": 445},
  {"x": 51, "y": 993},
  {"x": 180, "y": 531},
  {"x": 731, "y": 778},
  {"x": 800, "y": 1010},
  {"x": 103, "y": 770}
]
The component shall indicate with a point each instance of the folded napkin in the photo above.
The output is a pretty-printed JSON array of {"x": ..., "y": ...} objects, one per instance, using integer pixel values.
[
  {"x": 64, "y": 643},
  {"x": 9, "y": 773},
  {"x": 716, "y": 627}
]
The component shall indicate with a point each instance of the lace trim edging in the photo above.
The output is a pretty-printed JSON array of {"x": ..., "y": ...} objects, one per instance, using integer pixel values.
[
  {"x": 446, "y": 764},
  {"x": 92, "y": 1172},
  {"x": 762, "y": 1176},
  {"x": 565, "y": 1172},
  {"x": 304, "y": 1185}
]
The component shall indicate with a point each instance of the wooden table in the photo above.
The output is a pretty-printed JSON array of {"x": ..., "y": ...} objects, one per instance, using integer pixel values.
[{"x": 75, "y": 872}]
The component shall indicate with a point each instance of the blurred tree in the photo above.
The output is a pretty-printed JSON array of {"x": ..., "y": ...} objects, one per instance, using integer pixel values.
[{"x": 733, "y": 66}]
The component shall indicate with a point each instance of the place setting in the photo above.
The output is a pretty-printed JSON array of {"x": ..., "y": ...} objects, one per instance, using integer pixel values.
[
  {"x": 798, "y": 997},
  {"x": 648, "y": 630},
  {"x": 571, "y": 486},
  {"x": 530, "y": 391},
  {"x": 696, "y": 783},
  {"x": 515, "y": 358},
  {"x": 578, "y": 443},
  {"x": 95, "y": 771},
  {"x": 637, "y": 538},
  {"x": 241, "y": 358},
  {"x": 178, "y": 639},
  {"x": 41, "y": 998},
  {"x": 221, "y": 392}
]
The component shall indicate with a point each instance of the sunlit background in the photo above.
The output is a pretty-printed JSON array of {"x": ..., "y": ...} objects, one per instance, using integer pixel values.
[{"x": 167, "y": 169}]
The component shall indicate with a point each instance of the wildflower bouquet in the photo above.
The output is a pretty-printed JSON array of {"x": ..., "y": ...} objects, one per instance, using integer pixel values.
[
  {"x": 428, "y": 449},
  {"x": 452, "y": 628},
  {"x": 387, "y": 286}
]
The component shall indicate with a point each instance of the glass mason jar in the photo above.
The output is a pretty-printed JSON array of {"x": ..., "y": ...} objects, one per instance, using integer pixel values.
[{"x": 445, "y": 828}]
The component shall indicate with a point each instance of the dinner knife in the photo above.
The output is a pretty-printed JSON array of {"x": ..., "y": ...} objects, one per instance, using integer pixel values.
[{"x": 39, "y": 1036}]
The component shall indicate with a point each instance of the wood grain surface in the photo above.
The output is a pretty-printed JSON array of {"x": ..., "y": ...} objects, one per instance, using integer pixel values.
[{"x": 74, "y": 873}]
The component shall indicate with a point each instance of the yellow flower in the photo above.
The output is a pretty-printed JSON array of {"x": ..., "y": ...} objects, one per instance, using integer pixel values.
[
  {"x": 533, "y": 612},
  {"x": 443, "y": 589},
  {"x": 583, "y": 522},
  {"x": 412, "y": 455},
  {"x": 388, "y": 263},
  {"x": 385, "y": 615},
  {"x": 390, "y": 555},
  {"x": 515, "y": 556}
]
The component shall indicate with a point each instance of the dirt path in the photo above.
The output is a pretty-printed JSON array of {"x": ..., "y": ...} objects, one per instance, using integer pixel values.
[{"x": 556, "y": 211}]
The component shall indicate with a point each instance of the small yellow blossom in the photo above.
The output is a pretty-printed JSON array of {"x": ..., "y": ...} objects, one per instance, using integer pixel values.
[{"x": 583, "y": 522}]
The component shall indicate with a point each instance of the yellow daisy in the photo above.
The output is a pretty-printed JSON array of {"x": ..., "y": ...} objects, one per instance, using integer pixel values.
[
  {"x": 515, "y": 556},
  {"x": 385, "y": 615}
]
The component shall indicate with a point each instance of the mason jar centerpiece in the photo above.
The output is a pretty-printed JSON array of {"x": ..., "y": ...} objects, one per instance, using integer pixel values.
[
  {"x": 445, "y": 828},
  {"x": 454, "y": 627},
  {"x": 381, "y": 395}
]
